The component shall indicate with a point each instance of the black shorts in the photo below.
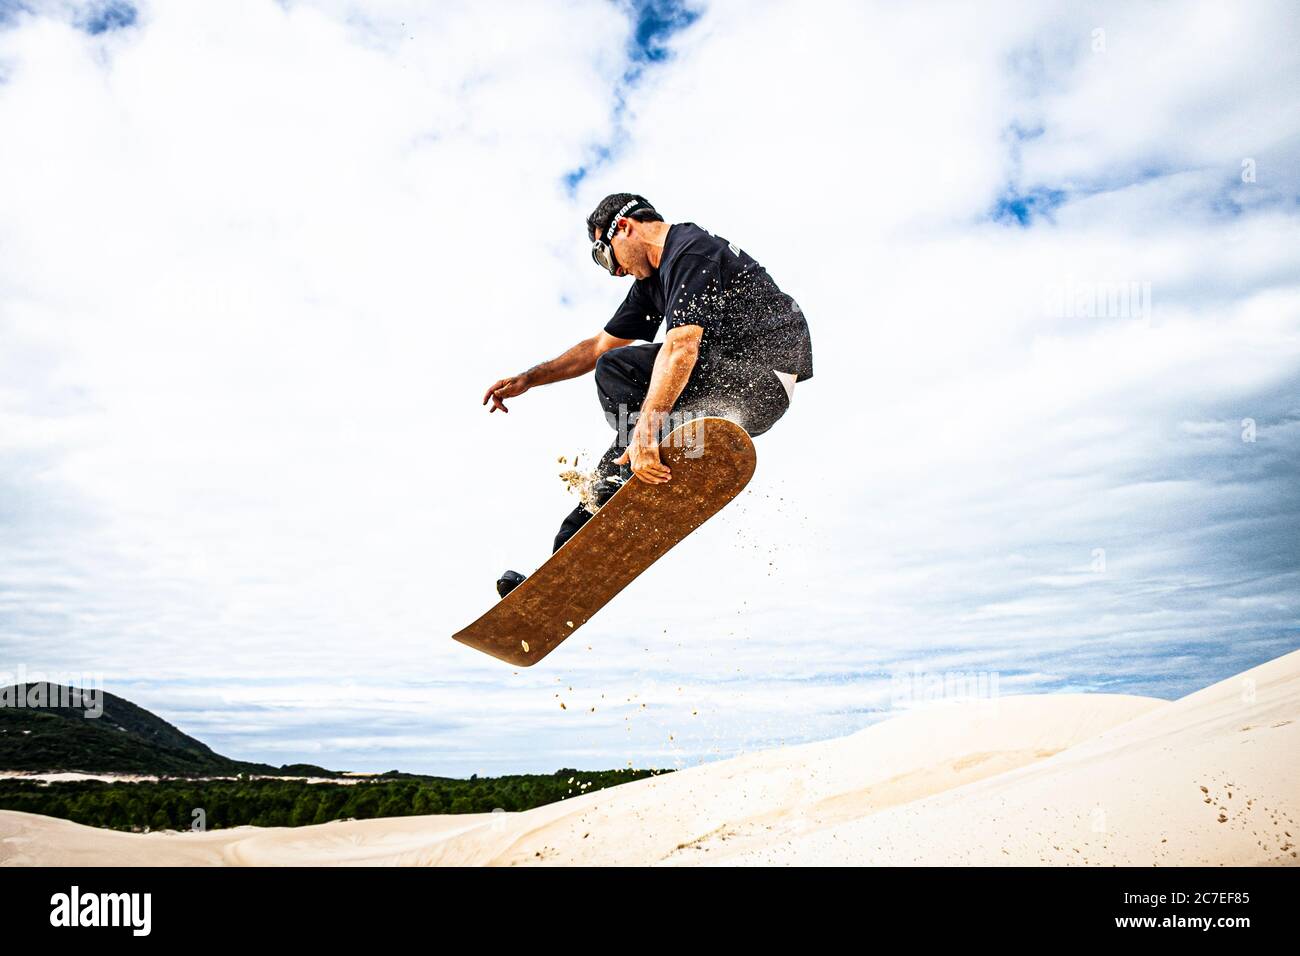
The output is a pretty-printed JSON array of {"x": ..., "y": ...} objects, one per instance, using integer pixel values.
[{"x": 739, "y": 387}]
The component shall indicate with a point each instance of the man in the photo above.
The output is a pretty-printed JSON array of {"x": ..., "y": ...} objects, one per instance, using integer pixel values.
[{"x": 735, "y": 345}]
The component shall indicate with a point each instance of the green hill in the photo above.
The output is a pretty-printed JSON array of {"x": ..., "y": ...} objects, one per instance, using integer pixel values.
[{"x": 123, "y": 738}]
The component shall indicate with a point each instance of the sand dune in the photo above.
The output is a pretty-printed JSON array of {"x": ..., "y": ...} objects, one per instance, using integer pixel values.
[{"x": 1213, "y": 778}]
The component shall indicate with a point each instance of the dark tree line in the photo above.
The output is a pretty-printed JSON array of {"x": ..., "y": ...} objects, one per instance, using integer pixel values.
[{"x": 171, "y": 804}]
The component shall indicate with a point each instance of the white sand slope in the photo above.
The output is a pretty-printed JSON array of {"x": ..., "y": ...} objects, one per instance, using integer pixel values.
[{"x": 1058, "y": 779}]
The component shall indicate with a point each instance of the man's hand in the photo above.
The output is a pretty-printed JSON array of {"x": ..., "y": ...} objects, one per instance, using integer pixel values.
[
  {"x": 506, "y": 388},
  {"x": 643, "y": 455}
]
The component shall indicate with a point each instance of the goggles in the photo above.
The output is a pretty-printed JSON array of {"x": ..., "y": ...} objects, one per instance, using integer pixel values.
[{"x": 602, "y": 250}]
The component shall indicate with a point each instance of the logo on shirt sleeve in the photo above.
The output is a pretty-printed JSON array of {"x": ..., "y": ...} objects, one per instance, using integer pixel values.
[{"x": 735, "y": 249}]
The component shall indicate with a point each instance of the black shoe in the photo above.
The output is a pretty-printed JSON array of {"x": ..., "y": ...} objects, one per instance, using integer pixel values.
[
  {"x": 606, "y": 487},
  {"x": 508, "y": 582}
]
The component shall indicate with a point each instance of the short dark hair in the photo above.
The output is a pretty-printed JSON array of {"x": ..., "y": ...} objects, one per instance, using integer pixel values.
[{"x": 611, "y": 204}]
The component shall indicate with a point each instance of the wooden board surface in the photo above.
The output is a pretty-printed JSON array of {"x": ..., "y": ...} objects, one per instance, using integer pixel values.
[{"x": 711, "y": 459}]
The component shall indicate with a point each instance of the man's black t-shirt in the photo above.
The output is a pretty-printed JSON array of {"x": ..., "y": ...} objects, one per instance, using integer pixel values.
[{"x": 707, "y": 281}]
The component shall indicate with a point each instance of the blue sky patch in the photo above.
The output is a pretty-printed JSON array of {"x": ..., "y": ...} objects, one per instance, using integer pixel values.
[
  {"x": 655, "y": 21},
  {"x": 9, "y": 9},
  {"x": 571, "y": 179},
  {"x": 1023, "y": 208},
  {"x": 108, "y": 16}
]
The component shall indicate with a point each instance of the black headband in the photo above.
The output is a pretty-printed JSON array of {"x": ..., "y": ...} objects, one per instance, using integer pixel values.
[{"x": 635, "y": 205}]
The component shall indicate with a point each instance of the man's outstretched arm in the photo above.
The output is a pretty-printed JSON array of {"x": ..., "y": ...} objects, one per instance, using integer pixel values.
[{"x": 578, "y": 360}]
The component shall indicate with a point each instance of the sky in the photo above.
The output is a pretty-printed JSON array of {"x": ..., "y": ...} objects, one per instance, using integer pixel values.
[{"x": 260, "y": 260}]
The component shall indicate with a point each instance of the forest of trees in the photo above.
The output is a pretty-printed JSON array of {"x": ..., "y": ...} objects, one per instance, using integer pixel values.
[{"x": 171, "y": 804}]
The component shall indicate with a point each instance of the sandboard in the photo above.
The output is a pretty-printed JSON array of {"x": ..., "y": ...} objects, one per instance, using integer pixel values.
[{"x": 711, "y": 459}]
